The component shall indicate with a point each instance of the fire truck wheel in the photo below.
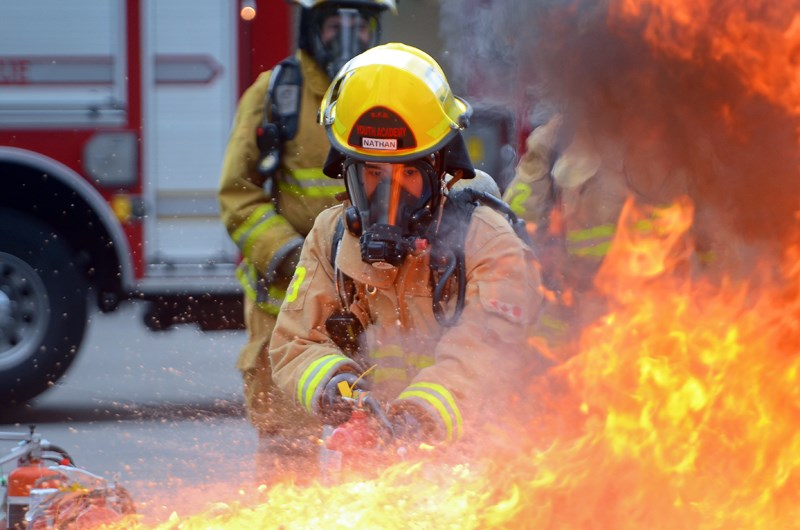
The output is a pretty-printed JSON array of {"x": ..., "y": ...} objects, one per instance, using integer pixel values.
[{"x": 43, "y": 307}]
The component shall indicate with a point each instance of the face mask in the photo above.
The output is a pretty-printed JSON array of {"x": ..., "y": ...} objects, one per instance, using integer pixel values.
[
  {"x": 391, "y": 207},
  {"x": 344, "y": 34}
]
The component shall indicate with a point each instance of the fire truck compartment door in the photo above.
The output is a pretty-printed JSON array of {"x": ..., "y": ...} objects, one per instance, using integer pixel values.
[{"x": 190, "y": 78}]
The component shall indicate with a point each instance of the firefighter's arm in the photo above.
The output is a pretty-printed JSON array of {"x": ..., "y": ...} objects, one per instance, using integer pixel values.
[
  {"x": 263, "y": 236},
  {"x": 530, "y": 194},
  {"x": 304, "y": 358},
  {"x": 481, "y": 360}
]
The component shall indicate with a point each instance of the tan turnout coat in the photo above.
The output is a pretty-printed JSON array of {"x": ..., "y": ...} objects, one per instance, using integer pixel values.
[{"x": 463, "y": 376}]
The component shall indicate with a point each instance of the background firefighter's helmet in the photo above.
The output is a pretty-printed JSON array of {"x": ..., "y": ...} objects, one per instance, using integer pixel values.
[{"x": 332, "y": 55}]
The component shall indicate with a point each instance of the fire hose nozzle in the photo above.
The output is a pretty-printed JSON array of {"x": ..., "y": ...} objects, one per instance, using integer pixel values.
[{"x": 367, "y": 401}]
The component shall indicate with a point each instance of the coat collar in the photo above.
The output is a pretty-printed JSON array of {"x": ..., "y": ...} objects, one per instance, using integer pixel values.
[
  {"x": 348, "y": 260},
  {"x": 313, "y": 75}
]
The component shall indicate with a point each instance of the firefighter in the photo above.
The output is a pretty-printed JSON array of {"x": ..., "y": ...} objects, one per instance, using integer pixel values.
[
  {"x": 405, "y": 293},
  {"x": 271, "y": 190},
  {"x": 572, "y": 185},
  {"x": 572, "y": 197}
]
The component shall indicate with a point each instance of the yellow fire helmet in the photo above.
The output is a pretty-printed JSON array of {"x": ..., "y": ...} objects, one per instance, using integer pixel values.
[
  {"x": 392, "y": 103},
  {"x": 380, "y": 4}
]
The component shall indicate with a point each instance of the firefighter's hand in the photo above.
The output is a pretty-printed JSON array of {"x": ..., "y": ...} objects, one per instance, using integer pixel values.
[
  {"x": 334, "y": 409},
  {"x": 410, "y": 426}
]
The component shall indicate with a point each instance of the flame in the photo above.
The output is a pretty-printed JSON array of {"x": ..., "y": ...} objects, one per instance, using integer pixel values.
[
  {"x": 679, "y": 411},
  {"x": 760, "y": 38},
  {"x": 681, "y": 407},
  {"x": 406, "y": 495},
  {"x": 689, "y": 395}
]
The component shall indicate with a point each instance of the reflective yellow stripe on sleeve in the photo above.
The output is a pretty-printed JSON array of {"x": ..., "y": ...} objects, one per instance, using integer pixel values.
[
  {"x": 268, "y": 299},
  {"x": 421, "y": 361},
  {"x": 318, "y": 372},
  {"x": 271, "y": 300},
  {"x": 397, "y": 366},
  {"x": 594, "y": 241},
  {"x": 261, "y": 219},
  {"x": 310, "y": 182},
  {"x": 435, "y": 397},
  {"x": 384, "y": 374},
  {"x": 246, "y": 273}
]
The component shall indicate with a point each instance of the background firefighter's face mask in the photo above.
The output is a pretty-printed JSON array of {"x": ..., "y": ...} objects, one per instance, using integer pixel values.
[
  {"x": 392, "y": 201},
  {"x": 343, "y": 34}
]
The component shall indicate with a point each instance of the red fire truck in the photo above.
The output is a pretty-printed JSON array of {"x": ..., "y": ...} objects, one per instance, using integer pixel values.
[{"x": 114, "y": 116}]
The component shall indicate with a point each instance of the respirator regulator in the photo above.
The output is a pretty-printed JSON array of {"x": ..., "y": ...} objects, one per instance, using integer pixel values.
[{"x": 391, "y": 208}]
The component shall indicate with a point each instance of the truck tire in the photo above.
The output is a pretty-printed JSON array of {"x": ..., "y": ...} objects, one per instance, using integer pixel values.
[{"x": 43, "y": 307}]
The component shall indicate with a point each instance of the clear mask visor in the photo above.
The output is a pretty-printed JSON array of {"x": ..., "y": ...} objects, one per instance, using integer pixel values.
[
  {"x": 346, "y": 34},
  {"x": 389, "y": 194}
]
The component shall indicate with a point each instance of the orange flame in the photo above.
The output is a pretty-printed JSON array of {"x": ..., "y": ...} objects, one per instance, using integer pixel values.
[
  {"x": 690, "y": 398},
  {"x": 681, "y": 408},
  {"x": 680, "y": 411},
  {"x": 765, "y": 49}
]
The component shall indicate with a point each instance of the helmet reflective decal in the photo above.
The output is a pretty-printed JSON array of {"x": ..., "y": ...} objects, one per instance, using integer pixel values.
[{"x": 381, "y": 129}]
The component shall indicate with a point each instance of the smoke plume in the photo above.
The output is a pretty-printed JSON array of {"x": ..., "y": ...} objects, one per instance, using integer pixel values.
[{"x": 698, "y": 97}]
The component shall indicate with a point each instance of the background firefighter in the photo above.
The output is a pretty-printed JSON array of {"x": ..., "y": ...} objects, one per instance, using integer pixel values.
[
  {"x": 572, "y": 185},
  {"x": 271, "y": 190},
  {"x": 572, "y": 193},
  {"x": 443, "y": 367}
]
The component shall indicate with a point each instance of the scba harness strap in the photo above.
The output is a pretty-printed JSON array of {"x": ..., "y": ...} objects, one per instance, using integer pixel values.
[
  {"x": 447, "y": 265},
  {"x": 281, "y": 113}
]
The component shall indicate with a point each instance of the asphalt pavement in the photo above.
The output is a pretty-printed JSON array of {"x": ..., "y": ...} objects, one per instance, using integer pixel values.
[{"x": 158, "y": 412}]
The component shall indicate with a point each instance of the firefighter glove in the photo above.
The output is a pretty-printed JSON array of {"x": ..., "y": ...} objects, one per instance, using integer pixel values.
[
  {"x": 335, "y": 406},
  {"x": 410, "y": 425}
]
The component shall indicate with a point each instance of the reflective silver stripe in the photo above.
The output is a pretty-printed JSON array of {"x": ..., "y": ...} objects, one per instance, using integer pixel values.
[
  {"x": 312, "y": 176},
  {"x": 280, "y": 255},
  {"x": 390, "y": 360},
  {"x": 246, "y": 273},
  {"x": 418, "y": 362}
]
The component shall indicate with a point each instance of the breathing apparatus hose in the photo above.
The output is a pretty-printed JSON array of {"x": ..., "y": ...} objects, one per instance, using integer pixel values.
[
  {"x": 374, "y": 406},
  {"x": 497, "y": 204},
  {"x": 455, "y": 264},
  {"x": 447, "y": 261},
  {"x": 47, "y": 446}
]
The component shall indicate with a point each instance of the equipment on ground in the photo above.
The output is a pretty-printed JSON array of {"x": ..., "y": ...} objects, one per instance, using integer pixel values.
[
  {"x": 361, "y": 445},
  {"x": 46, "y": 490}
]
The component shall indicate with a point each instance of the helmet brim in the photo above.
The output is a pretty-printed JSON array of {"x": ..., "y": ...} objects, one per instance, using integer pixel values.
[{"x": 455, "y": 157}]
